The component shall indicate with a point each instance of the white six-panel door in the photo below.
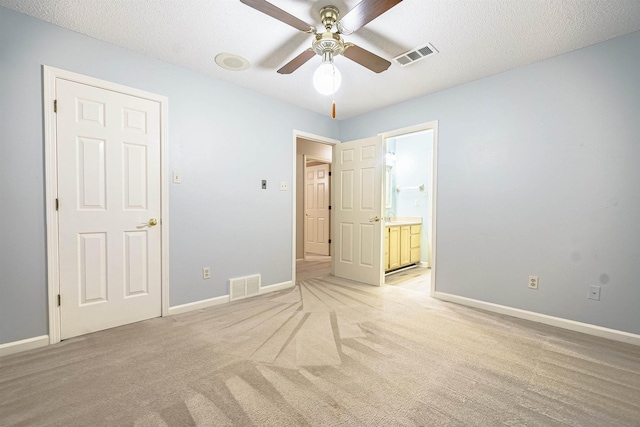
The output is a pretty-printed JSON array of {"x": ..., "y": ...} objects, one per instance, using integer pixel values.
[
  {"x": 357, "y": 205},
  {"x": 317, "y": 209},
  {"x": 108, "y": 162}
]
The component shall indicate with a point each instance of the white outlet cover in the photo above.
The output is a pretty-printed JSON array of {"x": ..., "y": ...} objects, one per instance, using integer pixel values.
[
  {"x": 533, "y": 282},
  {"x": 284, "y": 186}
]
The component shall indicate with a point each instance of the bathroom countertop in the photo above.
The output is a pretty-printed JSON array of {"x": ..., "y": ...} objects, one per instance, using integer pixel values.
[{"x": 406, "y": 220}]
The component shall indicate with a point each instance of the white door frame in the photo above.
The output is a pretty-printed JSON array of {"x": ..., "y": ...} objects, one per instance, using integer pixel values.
[
  {"x": 434, "y": 185},
  {"x": 305, "y": 159},
  {"x": 312, "y": 137},
  {"x": 50, "y": 75}
]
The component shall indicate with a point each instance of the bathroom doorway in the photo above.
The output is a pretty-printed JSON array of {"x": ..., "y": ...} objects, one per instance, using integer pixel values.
[{"x": 410, "y": 191}]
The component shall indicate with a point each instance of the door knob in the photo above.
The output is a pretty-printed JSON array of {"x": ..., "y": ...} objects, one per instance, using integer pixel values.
[
  {"x": 374, "y": 219},
  {"x": 153, "y": 222}
]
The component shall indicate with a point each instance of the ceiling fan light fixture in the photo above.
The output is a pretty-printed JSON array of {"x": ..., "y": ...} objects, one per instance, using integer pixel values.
[{"x": 327, "y": 78}]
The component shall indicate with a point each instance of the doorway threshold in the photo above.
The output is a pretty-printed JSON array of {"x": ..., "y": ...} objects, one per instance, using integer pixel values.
[{"x": 400, "y": 270}]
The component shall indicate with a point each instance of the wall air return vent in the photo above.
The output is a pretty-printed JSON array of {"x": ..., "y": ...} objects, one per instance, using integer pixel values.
[
  {"x": 243, "y": 287},
  {"x": 415, "y": 55}
]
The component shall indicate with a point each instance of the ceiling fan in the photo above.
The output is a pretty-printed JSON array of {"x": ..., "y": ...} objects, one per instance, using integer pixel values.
[{"x": 329, "y": 43}]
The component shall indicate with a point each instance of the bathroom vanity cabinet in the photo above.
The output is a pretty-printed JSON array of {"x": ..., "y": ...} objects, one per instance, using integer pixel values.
[{"x": 402, "y": 244}]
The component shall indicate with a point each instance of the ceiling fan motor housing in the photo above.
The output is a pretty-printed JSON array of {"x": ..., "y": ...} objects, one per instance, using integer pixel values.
[
  {"x": 329, "y": 16},
  {"x": 328, "y": 45}
]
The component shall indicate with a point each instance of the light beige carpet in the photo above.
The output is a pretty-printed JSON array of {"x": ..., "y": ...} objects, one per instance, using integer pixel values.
[{"x": 329, "y": 352}]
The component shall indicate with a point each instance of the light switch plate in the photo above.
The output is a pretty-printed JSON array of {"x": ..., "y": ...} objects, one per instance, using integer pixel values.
[{"x": 177, "y": 177}]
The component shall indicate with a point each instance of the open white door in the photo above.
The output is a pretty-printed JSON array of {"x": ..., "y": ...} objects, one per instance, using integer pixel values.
[{"x": 357, "y": 210}]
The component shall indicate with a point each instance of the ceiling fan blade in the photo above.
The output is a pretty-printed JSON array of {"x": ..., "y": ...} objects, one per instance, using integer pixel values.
[
  {"x": 296, "y": 62},
  {"x": 365, "y": 58},
  {"x": 364, "y": 12},
  {"x": 275, "y": 12}
]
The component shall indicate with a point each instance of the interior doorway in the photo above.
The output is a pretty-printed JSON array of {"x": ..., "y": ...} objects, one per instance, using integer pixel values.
[
  {"x": 107, "y": 204},
  {"x": 310, "y": 151},
  {"x": 410, "y": 207},
  {"x": 303, "y": 141}
]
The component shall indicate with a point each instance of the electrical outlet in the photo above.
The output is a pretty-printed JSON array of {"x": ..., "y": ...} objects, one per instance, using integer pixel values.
[
  {"x": 284, "y": 186},
  {"x": 533, "y": 282},
  {"x": 416, "y": 203},
  {"x": 206, "y": 273},
  {"x": 594, "y": 292}
]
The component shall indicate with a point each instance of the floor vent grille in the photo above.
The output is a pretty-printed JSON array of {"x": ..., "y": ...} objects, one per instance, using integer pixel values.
[
  {"x": 415, "y": 55},
  {"x": 243, "y": 287}
]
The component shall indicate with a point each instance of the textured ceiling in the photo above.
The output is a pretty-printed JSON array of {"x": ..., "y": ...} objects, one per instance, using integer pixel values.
[{"x": 475, "y": 38}]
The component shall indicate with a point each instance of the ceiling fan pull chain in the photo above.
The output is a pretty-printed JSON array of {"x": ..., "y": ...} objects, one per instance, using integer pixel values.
[{"x": 333, "y": 95}]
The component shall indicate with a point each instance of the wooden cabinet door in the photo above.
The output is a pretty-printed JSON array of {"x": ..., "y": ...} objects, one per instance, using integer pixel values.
[
  {"x": 386, "y": 248},
  {"x": 405, "y": 245},
  {"x": 415, "y": 244},
  {"x": 394, "y": 247}
]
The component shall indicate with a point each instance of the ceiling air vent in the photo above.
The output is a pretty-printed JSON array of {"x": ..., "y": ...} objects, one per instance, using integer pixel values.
[{"x": 415, "y": 55}]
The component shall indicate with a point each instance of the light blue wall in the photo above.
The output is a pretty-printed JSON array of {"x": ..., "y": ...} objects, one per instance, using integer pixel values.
[
  {"x": 411, "y": 170},
  {"x": 538, "y": 174},
  {"x": 224, "y": 139}
]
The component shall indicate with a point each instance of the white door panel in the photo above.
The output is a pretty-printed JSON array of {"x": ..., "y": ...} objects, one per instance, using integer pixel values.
[
  {"x": 317, "y": 209},
  {"x": 357, "y": 207},
  {"x": 108, "y": 152}
]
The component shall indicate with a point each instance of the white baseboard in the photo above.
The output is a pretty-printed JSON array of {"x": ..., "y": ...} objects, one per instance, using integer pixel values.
[
  {"x": 276, "y": 287},
  {"x": 572, "y": 325},
  {"x": 184, "y": 308},
  {"x": 24, "y": 345},
  {"x": 43, "y": 341}
]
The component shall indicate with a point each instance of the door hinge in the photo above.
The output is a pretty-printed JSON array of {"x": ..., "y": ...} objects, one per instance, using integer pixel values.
[
  {"x": 55, "y": 105},
  {"x": 329, "y": 207},
  {"x": 329, "y": 241},
  {"x": 59, "y": 300},
  {"x": 329, "y": 173},
  {"x": 57, "y": 204}
]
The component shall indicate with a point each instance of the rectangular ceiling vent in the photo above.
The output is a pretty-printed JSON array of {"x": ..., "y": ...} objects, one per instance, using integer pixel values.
[
  {"x": 415, "y": 55},
  {"x": 243, "y": 287}
]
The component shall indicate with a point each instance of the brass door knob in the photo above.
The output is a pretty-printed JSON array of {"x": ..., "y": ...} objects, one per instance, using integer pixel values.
[{"x": 153, "y": 222}]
